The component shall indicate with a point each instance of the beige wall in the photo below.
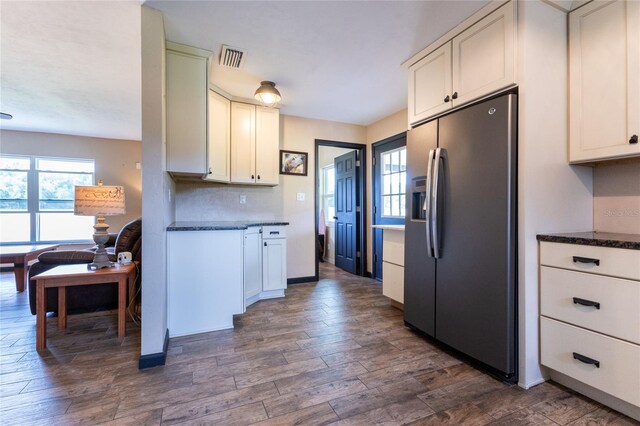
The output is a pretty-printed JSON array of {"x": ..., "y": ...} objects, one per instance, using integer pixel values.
[
  {"x": 115, "y": 161},
  {"x": 616, "y": 197},
  {"x": 380, "y": 130}
]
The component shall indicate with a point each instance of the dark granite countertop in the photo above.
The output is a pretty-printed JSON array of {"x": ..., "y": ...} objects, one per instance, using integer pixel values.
[
  {"x": 602, "y": 239},
  {"x": 221, "y": 225}
]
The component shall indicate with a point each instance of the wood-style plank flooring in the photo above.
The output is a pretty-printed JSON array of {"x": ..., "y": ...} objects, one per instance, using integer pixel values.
[{"x": 334, "y": 352}]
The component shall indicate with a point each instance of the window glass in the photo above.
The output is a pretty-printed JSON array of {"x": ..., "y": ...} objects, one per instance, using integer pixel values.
[
  {"x": 14, "y": 227},
  {"x": 13, "y": 190},
  {"x": 32, "y": 188},
  {"x": 394, "y": 166},
  {"x": 64, "y": 226},
  {"x": 57, "y": 189},
  {"x": 328, "y": 188}
]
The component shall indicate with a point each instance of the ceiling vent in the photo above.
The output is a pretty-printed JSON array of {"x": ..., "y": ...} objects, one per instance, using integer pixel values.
[{"x": 232, "y": 57}]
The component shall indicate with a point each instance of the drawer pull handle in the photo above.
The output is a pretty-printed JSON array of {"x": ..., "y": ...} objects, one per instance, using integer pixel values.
[
  {"x": 586, "y": 359},
  {"x": 585, "y": 302},
  {"x": 578, "y": 259},
  {"x": 274, "y": 233}
]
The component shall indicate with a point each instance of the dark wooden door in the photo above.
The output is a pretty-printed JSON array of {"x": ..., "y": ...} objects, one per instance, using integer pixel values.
[{"x": 346, "y": 194}]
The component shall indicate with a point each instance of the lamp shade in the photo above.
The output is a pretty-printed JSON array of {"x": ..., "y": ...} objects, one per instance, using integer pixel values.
[
  {"x": 267, "y": 93},
  {"x": 99, "y": 200}
]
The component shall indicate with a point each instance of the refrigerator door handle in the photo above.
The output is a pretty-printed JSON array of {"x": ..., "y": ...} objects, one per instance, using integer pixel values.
[
  {"x": 428, "y": 201},
  {"x": 440, "y": 158}
]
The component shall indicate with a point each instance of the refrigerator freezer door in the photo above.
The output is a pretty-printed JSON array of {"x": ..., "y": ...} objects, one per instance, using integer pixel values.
[
  {"x": 420, "y": 270},
  {"x": 476, "y": 277}
]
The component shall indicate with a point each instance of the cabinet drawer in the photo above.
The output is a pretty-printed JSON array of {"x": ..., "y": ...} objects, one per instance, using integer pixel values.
[
  {"x": 618, "y": 373},
  {"x": 393, "y": 281},
  {"x": 274, "y": 232},
  {"x": 614, "y": 262},
  {"x": 618, "y": 299},
  {"x": 393, "y": 247}
]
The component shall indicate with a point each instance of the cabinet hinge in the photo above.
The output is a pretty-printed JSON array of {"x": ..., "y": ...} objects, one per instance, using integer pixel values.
[
  {"x": 357, "y": 209},
  {"x": 357, "y": 254},
  {"x": 375, "y": 209},
  {"x": 373, "y": 160},
  {"x": 357, "y": 163}
]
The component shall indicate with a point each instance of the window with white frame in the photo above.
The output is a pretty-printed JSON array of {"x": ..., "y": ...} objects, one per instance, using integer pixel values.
[
  {"x": 36, "y": 199},
  {"x": 328, "y": 189},
  {"x": 394, "y": 174}
]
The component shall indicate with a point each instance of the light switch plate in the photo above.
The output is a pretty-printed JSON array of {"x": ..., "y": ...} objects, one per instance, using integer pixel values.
[
  {"x": 300, "y": 196},
  {"x": 243, "y": 199}
]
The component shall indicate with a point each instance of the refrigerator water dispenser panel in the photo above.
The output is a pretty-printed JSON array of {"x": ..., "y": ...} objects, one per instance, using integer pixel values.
[{"x": 419, "y": 198}]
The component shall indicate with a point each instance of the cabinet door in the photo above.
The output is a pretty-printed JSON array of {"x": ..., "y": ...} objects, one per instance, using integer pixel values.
[
  {"x": 252, "y": 262},
  {"x": 604, "y": 82},
  {"x": 484, "y": 56},
  {"x": 274, "y": 264},
  {"x": 430, "y": 85},
  {"x": 243, "y": 143},
  {"x": 204, "y": 272},
  {"x": 219, "y": 144},
  {"x": 267, "y": 144},
  {"x": 186, "y": 113}
]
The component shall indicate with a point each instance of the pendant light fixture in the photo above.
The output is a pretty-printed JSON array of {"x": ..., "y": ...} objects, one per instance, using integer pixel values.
[{"x": 268, "y": 94}]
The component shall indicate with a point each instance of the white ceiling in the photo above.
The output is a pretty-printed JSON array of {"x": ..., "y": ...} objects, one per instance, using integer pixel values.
[
  {"x": 331, "y": 60},
  {"x": 71, "y": 67},
  {"x": 74, "y": 66}
]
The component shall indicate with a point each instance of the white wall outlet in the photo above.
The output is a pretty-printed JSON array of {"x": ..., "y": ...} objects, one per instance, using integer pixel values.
[
  {"x": 138, "y": 165},
  {"x": 243, "y": 199},
  {"x": 300, "y": 196}
]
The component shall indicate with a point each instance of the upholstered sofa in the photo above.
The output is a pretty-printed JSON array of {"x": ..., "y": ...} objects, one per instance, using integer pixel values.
[{"x": 94, "y": 297}]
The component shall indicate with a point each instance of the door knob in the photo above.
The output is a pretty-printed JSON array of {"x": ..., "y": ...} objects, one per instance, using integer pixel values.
[
  {"x": 258, "y": 177},
  {"x": 253, "y": 177},
  {"x": 209, "y": 170},
  {"x": 455, "y": 95},
  {"x": 633, "y": 139},
  {"x": 446, "y": 99}
]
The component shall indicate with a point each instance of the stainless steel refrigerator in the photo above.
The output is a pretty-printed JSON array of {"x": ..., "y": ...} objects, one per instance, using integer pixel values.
[{"x": 460, "y": 237}]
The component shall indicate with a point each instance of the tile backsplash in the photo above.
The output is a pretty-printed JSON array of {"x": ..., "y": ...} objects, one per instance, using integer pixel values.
[
  {"x": 616, "y": 197},
  {"x": 207, "y": 201}
]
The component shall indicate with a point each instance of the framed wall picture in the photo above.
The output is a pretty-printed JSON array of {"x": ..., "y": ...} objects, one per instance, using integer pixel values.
[{"x": 293, "y": 163}]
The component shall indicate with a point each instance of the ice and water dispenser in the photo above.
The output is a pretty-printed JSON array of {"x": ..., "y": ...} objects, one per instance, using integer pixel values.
[{"x": 418, "y": 198}]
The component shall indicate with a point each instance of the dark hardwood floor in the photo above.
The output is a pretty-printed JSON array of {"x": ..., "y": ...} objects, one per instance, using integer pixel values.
[{"x": 331, "y": 352}]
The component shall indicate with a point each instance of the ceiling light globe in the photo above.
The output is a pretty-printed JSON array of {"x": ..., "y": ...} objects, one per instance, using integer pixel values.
[{"x": 267, "y": 93}]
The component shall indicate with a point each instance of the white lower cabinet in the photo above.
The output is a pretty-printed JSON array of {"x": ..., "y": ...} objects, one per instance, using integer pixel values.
[
  {"x": 589, "y": 321},
  {"x": 265, "y": 263},
  {"x": 252, "y": 262},
  {"x": 274, "y": 264},
  {"x": 605, "y": 363},
  {"x": 205, "y": 273}
]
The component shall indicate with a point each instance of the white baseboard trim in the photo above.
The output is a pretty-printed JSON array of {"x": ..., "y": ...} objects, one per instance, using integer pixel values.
[{"x": 269, "y": 294}]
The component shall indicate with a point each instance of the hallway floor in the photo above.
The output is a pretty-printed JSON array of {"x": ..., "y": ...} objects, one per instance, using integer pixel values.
[{"x": 331, "y": 352}]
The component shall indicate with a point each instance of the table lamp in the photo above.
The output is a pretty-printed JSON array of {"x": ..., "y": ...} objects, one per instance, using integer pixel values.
[{"x": 99, "y": 201}]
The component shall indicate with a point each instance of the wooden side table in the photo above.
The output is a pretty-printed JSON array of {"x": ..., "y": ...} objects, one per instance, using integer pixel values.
[
  {"x": 65, "y": 276},
  {"x": 20, "y": 257}
]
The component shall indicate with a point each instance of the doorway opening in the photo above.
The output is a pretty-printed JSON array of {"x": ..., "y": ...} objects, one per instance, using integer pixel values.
[
  {"x": 388, "y": 191},
  {"x": 340, "y": 211}
]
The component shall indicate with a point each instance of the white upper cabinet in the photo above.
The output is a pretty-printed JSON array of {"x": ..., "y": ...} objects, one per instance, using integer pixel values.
[
  {"x": 186, "y": 111},
  {"x": 255, "y": 135},
  {"x": 484, "y": 56},
  {"x": 604, "y": 79},
  {"x": 267, "y": 145},
  {"x": 477, "y": 62},
  {"x": 430, "y": 84},
  {"x": 219, "y": 143},
  {"x": 243, "y": 143}
]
